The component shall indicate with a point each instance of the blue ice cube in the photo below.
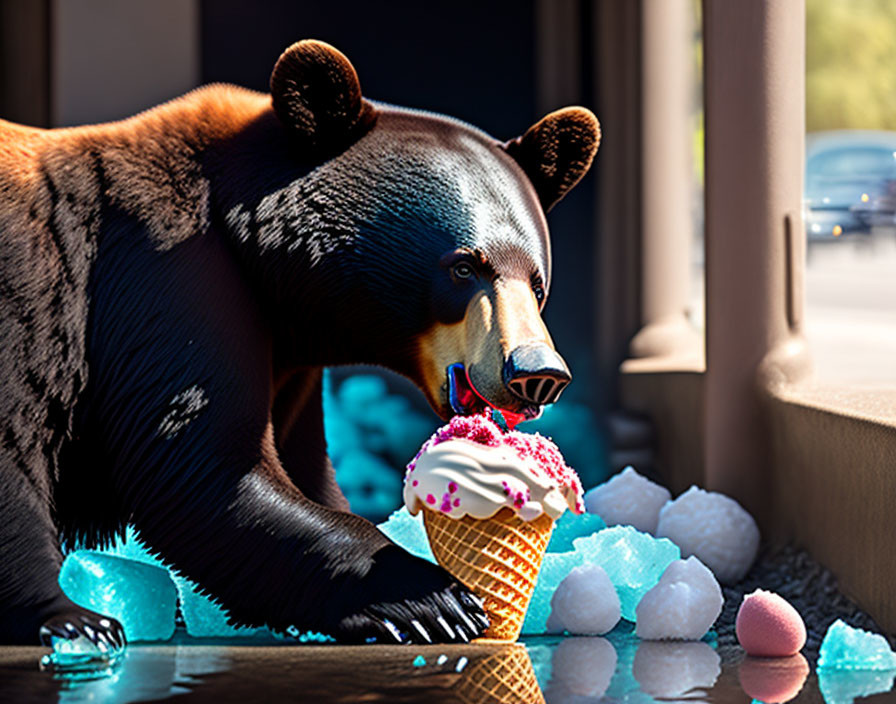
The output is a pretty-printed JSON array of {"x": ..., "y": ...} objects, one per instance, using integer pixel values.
[
  {"x": 554, "y": 568},
  {"x": 848, "y": 648},
  {"x": 203, "y": 616},
  {"x": 633, "y": 560},
  {"x": 142, "y": 597},
  {"x": 845, "y": 686},
  {"x": 571, "y": 526},
  {"x": 132, "y": 547},
  {"x": 408, "y": 532}
]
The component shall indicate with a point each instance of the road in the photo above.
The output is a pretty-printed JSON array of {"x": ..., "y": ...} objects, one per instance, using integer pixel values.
[{"x": 851, "y": 312}]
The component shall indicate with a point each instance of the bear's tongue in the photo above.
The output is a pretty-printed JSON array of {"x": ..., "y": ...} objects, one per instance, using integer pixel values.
[{"x": 466, "y": 400}]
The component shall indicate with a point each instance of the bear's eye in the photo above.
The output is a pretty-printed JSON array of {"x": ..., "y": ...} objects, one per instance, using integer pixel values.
[
  {"x": 463, "y": 270},
  {"x": 538, "y": 290}
]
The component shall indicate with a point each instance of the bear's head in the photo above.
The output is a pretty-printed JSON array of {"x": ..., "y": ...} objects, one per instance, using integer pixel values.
[{"x": 428, "y": 236}]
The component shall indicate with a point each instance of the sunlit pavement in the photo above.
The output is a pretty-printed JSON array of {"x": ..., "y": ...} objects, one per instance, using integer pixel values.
[{"x": 851, "y": 311}]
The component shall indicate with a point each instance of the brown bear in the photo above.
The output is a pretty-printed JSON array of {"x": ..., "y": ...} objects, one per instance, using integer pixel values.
[{"x": 172, "y": 286}]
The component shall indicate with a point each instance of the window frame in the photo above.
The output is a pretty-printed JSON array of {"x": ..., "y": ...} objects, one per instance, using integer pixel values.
[{"x": 740, "y": 412}]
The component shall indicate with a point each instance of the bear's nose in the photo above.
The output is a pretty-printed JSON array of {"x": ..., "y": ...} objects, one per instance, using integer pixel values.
[{"x": 536, "y": 373}]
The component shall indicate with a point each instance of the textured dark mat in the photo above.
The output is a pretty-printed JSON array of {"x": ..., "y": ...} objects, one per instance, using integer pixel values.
[{"x": 810, "y": 587}]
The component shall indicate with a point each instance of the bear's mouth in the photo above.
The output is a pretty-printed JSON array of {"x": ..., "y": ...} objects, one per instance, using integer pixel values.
[{"x": 465, "y": 400}]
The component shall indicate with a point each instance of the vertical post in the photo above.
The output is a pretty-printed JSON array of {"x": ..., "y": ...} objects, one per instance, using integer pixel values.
[
  {"x": 25, "y": 62},
  {"x": 667, "y": 195},
  {"x": 559, "y": 67},
  {"x": 755, "y": 103},
  {"x": 111, "y": 59},
  {"x": 617, "y": 69}
]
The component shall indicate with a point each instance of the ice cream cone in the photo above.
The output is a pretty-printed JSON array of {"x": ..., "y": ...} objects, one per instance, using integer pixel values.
[
  {"x": 498, "y": 558},
  {"x": 505, "y": 677},
  {"x": 489, "y": 499}
]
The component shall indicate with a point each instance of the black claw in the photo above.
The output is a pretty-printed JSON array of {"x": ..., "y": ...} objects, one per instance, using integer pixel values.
[
  {"x": 477, "y": 600},
  {"x": 112, "y": 635},
  {"x": 102, "y": 638},
  {"x": 482, "y": 620},
  {"x": 464, "y": 619},
  {"x": 449, "y": 631},
  {"x": 58, "y": 631},
  {"x": 470, "y": 599},
  {"x": 392, "y": 631},
  {"x": 103, "y": 632},
  {"x": 421, "y": 631},
  {"x": 45, "y": 635},
  {"x": 92, "y": 634},
  {"x": 476, "y": 614}
]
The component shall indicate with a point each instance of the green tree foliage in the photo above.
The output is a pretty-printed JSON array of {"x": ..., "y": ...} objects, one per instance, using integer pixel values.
[{"x": 850, "y": 64}]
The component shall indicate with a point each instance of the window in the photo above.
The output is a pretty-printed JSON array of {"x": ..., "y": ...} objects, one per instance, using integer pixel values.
[{"x": 850, "y": 192}]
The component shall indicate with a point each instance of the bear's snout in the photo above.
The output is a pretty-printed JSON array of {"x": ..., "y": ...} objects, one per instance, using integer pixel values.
[{"x": 536, "y": 374}]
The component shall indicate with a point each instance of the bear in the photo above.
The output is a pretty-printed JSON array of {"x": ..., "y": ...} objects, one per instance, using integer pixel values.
[{"x": 173, "y": 285}]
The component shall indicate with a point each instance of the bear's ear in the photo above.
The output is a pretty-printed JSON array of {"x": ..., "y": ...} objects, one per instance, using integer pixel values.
[
  {"x": 317, "y": 96},
  {"x": 557, "y": 151}
]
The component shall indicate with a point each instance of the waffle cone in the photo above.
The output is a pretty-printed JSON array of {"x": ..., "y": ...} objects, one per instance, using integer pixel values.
[
  {"x": 505, "y": 677},
  {"x": 498, "y": 558}
]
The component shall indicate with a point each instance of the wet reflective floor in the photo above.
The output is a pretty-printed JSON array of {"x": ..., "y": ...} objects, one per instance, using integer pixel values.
[{"x": 619, "y": 668}]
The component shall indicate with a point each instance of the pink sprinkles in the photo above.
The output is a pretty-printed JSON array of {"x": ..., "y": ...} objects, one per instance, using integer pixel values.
[
  {"x": 483, "y": 430},
  {"x": 518, "y": 497},
  {"x": 446, "y": 498},
  {"x": 446, "y": 503}
]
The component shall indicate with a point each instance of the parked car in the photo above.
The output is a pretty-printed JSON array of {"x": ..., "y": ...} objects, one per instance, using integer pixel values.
[{"x": 850, "y": 183}]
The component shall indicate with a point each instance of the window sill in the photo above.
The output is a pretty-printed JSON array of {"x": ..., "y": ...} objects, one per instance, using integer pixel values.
[{"x": 833, "y": 452}]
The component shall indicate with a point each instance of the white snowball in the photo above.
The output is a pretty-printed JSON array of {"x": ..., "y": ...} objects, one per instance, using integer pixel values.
[
  {"x": 628, "y": 499},
  {"x": 683, "y": 605},
  {"x": 715, "y": 528},
  {"x": 554, "y": 626},
  {"x": 585, "y": 602},
  {"x": 676, "y": 670},
  {"x": 581, "y": 667}
]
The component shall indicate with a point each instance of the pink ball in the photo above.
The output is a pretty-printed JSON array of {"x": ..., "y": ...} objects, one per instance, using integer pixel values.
[{"x": 768, "y": 626}]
